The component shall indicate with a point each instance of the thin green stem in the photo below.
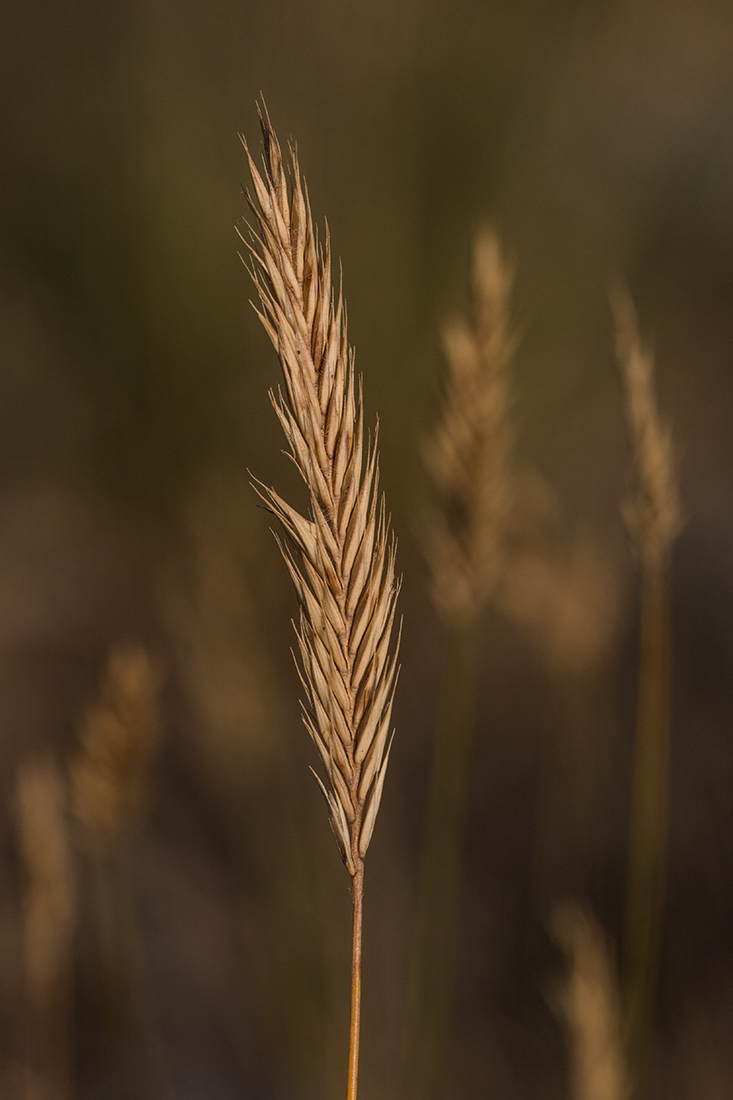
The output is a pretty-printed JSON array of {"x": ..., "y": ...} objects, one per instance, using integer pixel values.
[
  {"x": 438, "y": 904},
  {"x": 648, "y": 839}
]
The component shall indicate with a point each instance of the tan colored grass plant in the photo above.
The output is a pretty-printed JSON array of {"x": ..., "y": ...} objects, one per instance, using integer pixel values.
[
  {"x": 109, "y": 777},
  {"x": 49, "y": 916},
  {"x": 653, "y": 518},
  {"x": 340, "y": 555},
  {"x": 653, "y": 511},
  {"x": 588, "y": 1003},
  {"x": 465, "y": 538},
  {"x": 117, "y": 739},
  {"x": 468, "y": 453}
]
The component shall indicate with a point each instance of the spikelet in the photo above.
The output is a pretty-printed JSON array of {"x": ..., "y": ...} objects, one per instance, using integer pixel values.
[
  {"x": 588, "y": 1003},
  {"x": 117, "y": 739},
  {"x": 653, "y": 514},
  {"x": 341, "y": 556},
  {"x": 467, "y": 455}
]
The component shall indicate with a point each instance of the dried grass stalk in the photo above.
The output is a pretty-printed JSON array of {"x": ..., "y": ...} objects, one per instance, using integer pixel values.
[
  {"x": 109, "y": 777},
  {"x": 341, "y": 555},
  {"x": 467, "y": 457},
  {"x": 49, "y": 917},
  {"x": 588, "y": 1003},
  {"x": 653, "y": 513},
  {"x": 653, "y": 517},
  {"x": 49, "y": 898},
  {"x": 468, "y": 454},
  {"x": 117, "y": 740}
]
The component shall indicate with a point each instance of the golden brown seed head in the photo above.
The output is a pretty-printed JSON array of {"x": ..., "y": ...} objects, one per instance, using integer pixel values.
[
  {"x": 117, "y": 739},
  {"x": 467, "y": 455},
  {"x": 49, "y": 886},
  {"x": 653, "y": 512},
  {"x": 341, "y": 554},
  {"x": 588, "y": 1003}
]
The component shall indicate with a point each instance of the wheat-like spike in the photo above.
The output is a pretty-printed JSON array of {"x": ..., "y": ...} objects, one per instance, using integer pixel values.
[
  {"x": 467, "y": 455},
  {"x": 653, "y": 514},
  {"x": 49, "y": 902},
  {"x": 588, "y": 1003},
  {"x": 653, "y": 518},
  {"x": 341, "y": 556},
  {"x": 49, "y": 916},
  {"x": 118, "y": 736}
]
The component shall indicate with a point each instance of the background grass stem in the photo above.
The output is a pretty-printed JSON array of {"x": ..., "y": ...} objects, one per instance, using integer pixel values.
[
  {"x": 653, "y": 517},
  {"x": 648, "y": 839}
]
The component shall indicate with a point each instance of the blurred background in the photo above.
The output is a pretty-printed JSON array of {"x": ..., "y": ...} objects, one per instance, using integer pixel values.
[{"x": 196, "y": 943}]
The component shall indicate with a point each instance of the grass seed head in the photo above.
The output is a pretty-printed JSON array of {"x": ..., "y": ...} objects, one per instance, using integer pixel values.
[
  {"x": 588, "y": 1003},
  {"x": 653, "y": 512},
  {"x": 118, "y": 736},
  {"x": 467, "y": 455},
  {"x": 340, "y": 553},
  {"x": 49, "y": 885}
]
